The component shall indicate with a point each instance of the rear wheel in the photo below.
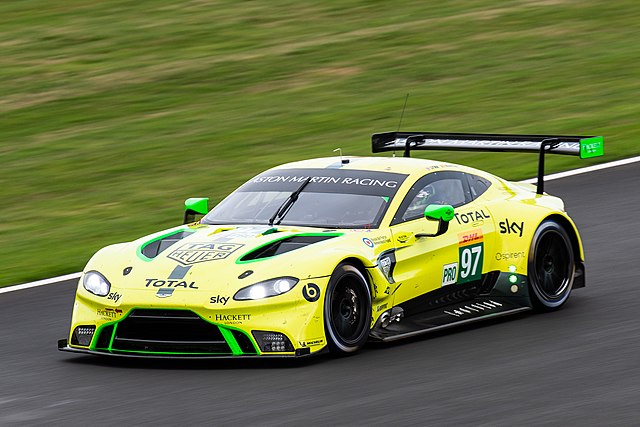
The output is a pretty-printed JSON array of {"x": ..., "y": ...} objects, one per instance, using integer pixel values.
[
  {"x": 347, "y": 310},
  {"x": 551, "y": 267}
]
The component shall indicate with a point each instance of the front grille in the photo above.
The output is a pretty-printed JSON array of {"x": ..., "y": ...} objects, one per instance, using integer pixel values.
[{"x": 168, "y": 331}]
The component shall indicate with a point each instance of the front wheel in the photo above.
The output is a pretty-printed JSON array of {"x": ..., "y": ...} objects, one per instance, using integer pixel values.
[
  {"x": 551, "y": 267},
  {"x": 347, "y": 310}
]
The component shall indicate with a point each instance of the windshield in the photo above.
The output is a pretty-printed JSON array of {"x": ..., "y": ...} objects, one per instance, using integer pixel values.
[{"x": 334, "y": 198}]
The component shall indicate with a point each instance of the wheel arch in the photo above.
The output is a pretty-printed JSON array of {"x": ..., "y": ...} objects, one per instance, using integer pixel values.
[
  {"x": 576, "y": 244},
  {"x": 359, "y": 264},
  {"x": 572, "y": 231}
]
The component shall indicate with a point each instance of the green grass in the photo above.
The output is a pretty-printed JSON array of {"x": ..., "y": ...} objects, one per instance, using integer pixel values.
[{"x": 113, "y": 112}]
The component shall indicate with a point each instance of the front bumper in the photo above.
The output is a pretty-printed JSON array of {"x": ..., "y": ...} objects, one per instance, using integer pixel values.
[
  {"x": 182, "y": 333},
  {"x": 63, "y": 345}
]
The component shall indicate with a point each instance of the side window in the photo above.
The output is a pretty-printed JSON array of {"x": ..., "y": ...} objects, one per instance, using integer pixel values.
[
  {"x": 436, "y": 188},
  {"x": 477, "y": 185}
]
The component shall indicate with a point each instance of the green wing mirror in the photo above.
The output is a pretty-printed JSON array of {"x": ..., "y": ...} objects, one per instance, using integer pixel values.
[
  {"x": 441, "y": 213},
  {"x": 195, "y": 206}
]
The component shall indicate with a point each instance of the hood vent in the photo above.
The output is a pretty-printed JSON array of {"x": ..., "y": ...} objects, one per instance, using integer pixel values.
[
  {"x": 153, "y": 248},
  {"x": 285, "y": 245}
]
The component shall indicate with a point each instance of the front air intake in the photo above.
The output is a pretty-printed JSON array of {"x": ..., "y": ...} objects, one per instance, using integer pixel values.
[
  {"x": 168, "y": 331},
  {"x": 285, "y": 245}
]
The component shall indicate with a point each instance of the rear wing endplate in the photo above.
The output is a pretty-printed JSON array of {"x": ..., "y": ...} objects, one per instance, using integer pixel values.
[{"x": 583, "y": 146}]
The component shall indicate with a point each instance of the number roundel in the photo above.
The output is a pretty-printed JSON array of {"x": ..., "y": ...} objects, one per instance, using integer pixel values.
[{"x": 470, "y": 262}]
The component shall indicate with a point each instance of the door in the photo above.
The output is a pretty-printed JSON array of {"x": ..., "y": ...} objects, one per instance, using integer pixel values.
[{"x": 434, "y": 271}]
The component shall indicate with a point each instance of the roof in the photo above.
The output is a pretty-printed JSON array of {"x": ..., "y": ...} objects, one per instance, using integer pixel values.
[{"x": 405, "y": 165}]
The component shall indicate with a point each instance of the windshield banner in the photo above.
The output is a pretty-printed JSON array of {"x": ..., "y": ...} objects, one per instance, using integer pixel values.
[{"x": 327, "y": 181}]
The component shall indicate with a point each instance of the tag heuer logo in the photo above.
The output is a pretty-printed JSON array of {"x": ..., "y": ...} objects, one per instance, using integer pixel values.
[{"x": 192, "y": 253}]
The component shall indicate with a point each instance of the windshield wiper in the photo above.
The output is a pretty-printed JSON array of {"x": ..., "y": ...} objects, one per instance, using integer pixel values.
[{"x": 282, "y": 211}]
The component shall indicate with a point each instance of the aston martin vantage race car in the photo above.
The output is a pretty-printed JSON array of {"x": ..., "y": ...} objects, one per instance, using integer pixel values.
[{"x": 328, "y": 253}]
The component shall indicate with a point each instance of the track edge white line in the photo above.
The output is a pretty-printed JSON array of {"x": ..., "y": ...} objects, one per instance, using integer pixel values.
[{"x": 42, "y": 282}]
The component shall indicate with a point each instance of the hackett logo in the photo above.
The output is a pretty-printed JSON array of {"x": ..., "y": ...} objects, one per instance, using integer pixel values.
[{"x": 192, "y": 253}]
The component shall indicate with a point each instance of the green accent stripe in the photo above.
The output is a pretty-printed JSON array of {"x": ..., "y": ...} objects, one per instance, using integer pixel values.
[{"x": 228, "y": 336}]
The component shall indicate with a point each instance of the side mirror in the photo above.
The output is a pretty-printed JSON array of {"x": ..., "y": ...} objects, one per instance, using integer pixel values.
[
  {"x": 195, "y": 206},
  {"x": 441, "y": 213}
]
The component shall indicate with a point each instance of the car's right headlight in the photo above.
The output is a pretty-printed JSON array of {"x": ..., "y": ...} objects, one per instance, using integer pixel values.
[
  {"x": 96, "y": 283},
  {"x": 266, "y": 289}
]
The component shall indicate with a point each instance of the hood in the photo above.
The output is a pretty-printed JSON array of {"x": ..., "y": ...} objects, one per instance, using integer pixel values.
[{"x": 206, "y": 257}]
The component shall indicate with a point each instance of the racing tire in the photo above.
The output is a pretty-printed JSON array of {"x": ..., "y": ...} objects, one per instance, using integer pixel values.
[
  {"x": 551, "y": 267},
  {"x": 347, "y": 310}
]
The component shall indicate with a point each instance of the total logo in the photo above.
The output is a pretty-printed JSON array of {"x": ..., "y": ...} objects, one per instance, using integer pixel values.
[{"x": 156, "y": 283}]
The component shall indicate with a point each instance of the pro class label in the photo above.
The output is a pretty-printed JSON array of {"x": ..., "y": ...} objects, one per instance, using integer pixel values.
[{"x": 449, "y": 274}]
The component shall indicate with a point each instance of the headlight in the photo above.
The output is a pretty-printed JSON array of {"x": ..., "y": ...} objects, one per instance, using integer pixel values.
[
  {"x": 266, "y": 289},
  {"x": 95, "y": 283}
]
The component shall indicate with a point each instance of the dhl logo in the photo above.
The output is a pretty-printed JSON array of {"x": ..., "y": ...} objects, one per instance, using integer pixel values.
[{"x": 469, "y": 237}]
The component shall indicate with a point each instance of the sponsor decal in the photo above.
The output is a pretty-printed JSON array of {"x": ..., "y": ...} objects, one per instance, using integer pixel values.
[
  {"x": 157, "y": 283},
  {"x": 403, "y": 237},
  {"x": 114, "y": 296},
  {"x": 218, "y": 299},
  {"x": 470, "y": 256},
  {"x": 232, "y": 318},
  {"x": 449, "y": 274},
  {"x": 505, "y": 256},
  {"x": 192, "y": 253},
  {"x": 386, "y": 263},
  {"x": 311, "y": 292},
  {"x": 367, "y": 242},
  {"x": 311, "y": 342},
  {"x": 109, "y": 313},
  {"x": 508, "y": 227},
  {"x": 197, "y": 225},
  {"x": 382, "y": 307},
  {"x": 380, "y": 240},
  {"x": 472, "y": 217},
  {"x": 164, "y": 292},
  {"x": 331, "y": 180},
  {"x": 328, "y": 180},
  {"x": 469, "y": 237}
]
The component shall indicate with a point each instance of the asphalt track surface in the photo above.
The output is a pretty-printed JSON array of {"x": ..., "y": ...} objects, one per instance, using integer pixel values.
[{"x": 577, "y": 366}]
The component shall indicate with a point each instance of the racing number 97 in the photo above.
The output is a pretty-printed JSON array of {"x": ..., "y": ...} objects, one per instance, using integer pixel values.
[{"x": 470, "y": 263}]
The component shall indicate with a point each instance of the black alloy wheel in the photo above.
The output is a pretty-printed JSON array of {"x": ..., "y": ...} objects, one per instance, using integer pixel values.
[
  {"x": 551, "y": 267},
  {"x": 347, "y": 310}
]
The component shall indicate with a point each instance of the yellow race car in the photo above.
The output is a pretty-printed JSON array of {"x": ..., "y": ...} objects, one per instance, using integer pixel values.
[{"x": 328, "y": 253}]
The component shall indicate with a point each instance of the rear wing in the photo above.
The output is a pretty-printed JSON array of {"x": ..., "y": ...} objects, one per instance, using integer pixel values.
[{"x": 583, "y": 146}]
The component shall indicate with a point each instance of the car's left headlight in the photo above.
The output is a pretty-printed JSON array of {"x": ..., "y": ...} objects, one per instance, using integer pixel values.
[
  {"x": 266, "y": 289},
  {"x": 96, "y": 283}
]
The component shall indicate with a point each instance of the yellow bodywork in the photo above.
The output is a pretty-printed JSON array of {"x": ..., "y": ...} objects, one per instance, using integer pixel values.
[{"x": 423, "y": 264}]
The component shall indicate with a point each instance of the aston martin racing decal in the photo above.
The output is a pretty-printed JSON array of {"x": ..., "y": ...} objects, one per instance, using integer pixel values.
[
  {"x": 470, "y": 255},
  {"x": 192, "y": 253}
]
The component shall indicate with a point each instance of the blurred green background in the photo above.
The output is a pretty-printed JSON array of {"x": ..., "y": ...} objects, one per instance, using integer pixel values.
[{"x": 113, "y": 112}]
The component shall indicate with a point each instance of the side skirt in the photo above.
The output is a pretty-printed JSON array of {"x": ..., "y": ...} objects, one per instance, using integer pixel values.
[{"x": 459, "y": 314}]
